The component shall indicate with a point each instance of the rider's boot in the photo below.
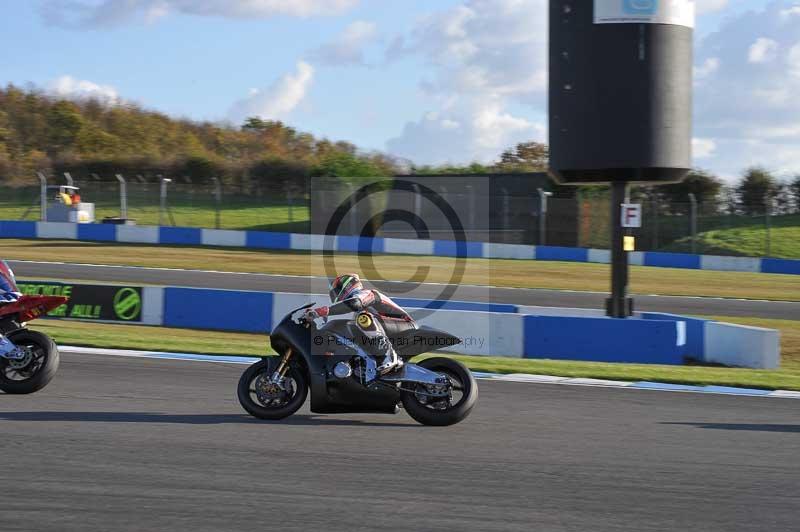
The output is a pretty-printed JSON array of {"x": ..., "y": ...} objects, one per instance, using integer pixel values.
[
  {"x": 8, "y": 349},
  {"x": 391, "y": 362}
]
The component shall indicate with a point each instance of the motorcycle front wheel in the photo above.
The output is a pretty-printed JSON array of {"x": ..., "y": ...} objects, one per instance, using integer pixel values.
[
  {"x": 33, "y": 372},
  {"x": 265, "y": 400},
  {"x": 442, "y": 411}
]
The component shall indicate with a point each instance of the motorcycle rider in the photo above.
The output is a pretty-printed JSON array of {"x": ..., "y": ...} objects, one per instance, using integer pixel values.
[
  {"x": 8, "y": 294},
  {"x": 377, "y": 317}
]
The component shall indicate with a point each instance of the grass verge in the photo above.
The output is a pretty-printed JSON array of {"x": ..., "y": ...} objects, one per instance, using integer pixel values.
[
  {"x": 495, "y": 272},
  {"x": 183, "y": 340}
]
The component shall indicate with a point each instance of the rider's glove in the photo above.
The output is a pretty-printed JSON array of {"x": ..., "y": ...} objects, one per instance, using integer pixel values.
[{"x": 314, "y": 313}]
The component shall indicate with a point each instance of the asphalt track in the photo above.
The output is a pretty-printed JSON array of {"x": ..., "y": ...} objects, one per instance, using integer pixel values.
[
  {"x": 789, "y": 310},
  {"x": 129, "y": 444}
]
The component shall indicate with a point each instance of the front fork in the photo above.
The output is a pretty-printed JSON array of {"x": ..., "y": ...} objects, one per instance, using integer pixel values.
[{"x": 283, "y": 367}]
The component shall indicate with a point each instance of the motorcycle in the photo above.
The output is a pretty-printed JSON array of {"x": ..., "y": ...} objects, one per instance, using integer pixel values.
[
  {"x": 31, "y": 358},
  {"x": 342, "y": 377}
]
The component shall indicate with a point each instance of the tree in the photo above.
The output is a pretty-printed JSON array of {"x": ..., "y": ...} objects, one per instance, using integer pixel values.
[
  {"x": 345, "y": 165},
  {"x": 524, "y": 157},
  {"x": 793, "y": 190},
  {"x": 756, "y": 190},
  {"x": 64, "y": 122},
  {"x": 705, "y": 187}
]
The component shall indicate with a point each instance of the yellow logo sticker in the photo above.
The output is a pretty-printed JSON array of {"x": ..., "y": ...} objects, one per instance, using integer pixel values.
[{"x": 364, "y": 321}]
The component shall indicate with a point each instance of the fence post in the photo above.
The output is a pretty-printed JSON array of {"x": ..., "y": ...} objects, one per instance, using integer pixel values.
[
  {"x": 506, "y": 209},
  {"x": 290, "y": 201},
  {"x": 543, "y": 216},
  {"x": 654, "y": 206},
  {"x": 217, "y": 202},
  {"x": 472, "y": 207},
  {"x": 42, "y": 196},
  {"x": 768, "y": 224},
  {"x": 162, "y": 210},
  {"x": 123, "y": 197},
  {"x": 353, "y": 210},
  {"x": 693, "y": 221}
]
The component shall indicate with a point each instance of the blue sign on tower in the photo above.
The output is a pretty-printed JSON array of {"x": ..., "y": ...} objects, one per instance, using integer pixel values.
[{"x": 640, "y": 7}]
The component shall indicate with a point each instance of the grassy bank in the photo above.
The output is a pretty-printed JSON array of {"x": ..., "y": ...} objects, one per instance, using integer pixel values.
[
  {"x": 494, "y": 272},
  {"x": 748, "y": 239},
  {"x": 182, "y": 340}
]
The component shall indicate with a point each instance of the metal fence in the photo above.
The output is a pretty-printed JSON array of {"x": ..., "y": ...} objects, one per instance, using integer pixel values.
[
  {"x": 500, "y": 215},
  {"x": 178, "y": 204},
  {"x": 689, "y": 227}
]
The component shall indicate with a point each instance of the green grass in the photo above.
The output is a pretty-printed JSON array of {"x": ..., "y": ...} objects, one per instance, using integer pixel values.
[
  {"x": 183, "y": 340},
  {"x": 238, "y": 214},
  {"x": 494, "y": 272},
  {"x": 748, "y": 237}
]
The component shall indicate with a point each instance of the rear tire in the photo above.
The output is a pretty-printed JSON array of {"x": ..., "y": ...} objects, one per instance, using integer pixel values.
[
  {"x": 461, "y": 377},
  {"x": 42, "y": 367},
  {"x": 246, "y": 391}
]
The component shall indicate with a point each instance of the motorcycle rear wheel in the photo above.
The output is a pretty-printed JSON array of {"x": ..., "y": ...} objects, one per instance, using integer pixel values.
[
  {"x": 37, "y": 372},
  {"x": 248, "y": 394},
  {"x": 431, "y": 412}
]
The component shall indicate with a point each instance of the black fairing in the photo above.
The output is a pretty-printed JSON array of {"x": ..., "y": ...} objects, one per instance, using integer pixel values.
[{"x": 320, "y": 351}]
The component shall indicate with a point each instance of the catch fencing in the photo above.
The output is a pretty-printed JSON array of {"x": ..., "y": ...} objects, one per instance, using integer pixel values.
[{"x": 512, "y": 209}]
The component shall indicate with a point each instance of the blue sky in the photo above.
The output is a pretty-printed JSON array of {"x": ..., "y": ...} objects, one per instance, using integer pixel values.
[{"x": 433, "y": 81}]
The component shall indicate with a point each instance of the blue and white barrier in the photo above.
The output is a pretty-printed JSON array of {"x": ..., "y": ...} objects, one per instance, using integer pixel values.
[
  {"x": 491, "y": 329},
  {"x": 191, "y": 236}
]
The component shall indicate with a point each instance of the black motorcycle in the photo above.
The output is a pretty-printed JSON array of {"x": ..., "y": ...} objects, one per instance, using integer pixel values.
[{"x": 332, "y": 362}]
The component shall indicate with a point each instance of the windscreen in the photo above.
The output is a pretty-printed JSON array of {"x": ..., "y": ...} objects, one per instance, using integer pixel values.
[{"x": 7, "y": 281}]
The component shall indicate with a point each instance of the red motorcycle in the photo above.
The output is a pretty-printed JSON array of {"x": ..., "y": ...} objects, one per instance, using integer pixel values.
[{"x": 28, "y": 359}]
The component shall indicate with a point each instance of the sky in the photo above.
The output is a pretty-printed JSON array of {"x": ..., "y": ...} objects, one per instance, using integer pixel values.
[{"x": 433, "y": 81}]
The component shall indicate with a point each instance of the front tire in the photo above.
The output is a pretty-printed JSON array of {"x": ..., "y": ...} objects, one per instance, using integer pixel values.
[
  {"x": 441, "y": 413},
  {"x": 264, "y": 403},
  {"x": 36, "y": 371}
]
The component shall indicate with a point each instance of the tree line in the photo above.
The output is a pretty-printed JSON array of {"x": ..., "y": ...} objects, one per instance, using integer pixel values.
[{"x": 40, "y": 132}]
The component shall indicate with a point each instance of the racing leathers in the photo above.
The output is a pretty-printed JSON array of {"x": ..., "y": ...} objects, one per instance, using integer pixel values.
[
  {"x": 378, "y": 318},
  {"x": 8, "y": 294}
]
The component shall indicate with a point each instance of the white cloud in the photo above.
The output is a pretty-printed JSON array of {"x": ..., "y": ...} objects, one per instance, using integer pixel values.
[
  {"x": 487, "y": 57},
  {"x": 348, "y": 47},
  {"x": 749, "y": 105},
  {"x": 703, "y": 148},
  {"x": 105, "y": 13},
  {"x": 762, "y": 51},
  {"x": 470, "y": 130},
  {"x": 793, "y": 60},
  {"x": 710, "y": 6},
  {"x": 71, "y": 88},
  {"x": 279, "y": 99},
  {"x": 790, "y": 12},
  {"x": 707, "y": 69}
]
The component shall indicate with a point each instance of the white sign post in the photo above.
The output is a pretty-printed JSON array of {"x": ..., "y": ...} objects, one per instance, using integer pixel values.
[{"x": 631, "y": 215}]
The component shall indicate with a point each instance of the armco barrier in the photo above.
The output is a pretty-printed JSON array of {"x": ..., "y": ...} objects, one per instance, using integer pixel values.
[
  {"x": 485, "y": 328},
  {"x": 284, "y": 241}
]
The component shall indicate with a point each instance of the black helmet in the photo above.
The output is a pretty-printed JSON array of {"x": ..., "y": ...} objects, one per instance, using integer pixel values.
[{"x": 343, "y": 286}]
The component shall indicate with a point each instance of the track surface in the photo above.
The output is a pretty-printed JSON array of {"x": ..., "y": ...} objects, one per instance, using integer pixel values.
[
  {"x": 129, "y": 444},
  {"x": 789, "y": 310}
]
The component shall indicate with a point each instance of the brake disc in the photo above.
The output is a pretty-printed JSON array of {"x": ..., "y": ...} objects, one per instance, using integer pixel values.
[{"x": 22, "y": 362}]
